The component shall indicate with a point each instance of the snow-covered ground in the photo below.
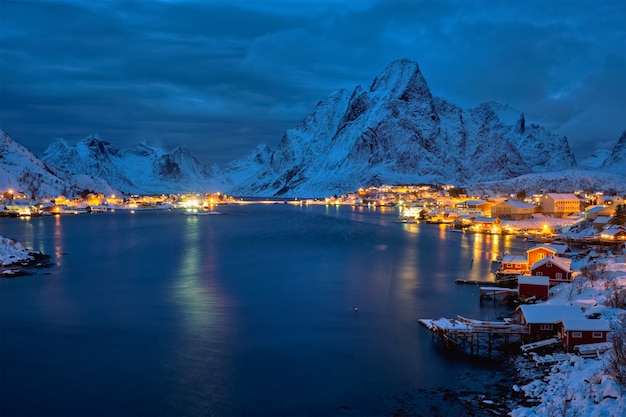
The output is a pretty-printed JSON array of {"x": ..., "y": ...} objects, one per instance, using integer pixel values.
[
  {"x": 12, "y": 251},
  {"x": 581, "y": 387}
]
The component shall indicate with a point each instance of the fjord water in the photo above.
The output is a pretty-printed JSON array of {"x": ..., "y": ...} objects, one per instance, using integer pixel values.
[{"x": 266, "y": 310}]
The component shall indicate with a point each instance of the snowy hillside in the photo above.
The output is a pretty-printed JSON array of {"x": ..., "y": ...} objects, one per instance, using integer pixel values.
[
  {"x": 595, "y": 160},
  {"x": 616, "y": 161},
  {"x": 395, "y": 131},
  {"x": 562, "y": 181},
  {"x": 139, "y": 169},
  {"x": 21, "y": 171}
]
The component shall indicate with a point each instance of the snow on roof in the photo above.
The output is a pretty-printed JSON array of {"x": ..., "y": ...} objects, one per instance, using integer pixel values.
[
  {"x": 559, "y": 262},
  {"x": 603, "y": 219},
  {"x": 545, "y": 313},
  {"x": 562, "y": 196},
  {"x": 599, "y": 325},
  {"x": 519, "y": 204},
  {"x": 560, "y": 249},
  {"x": 542, "y": 246},
  {"x": 613, "y": 230},
  {"x": 533, "y": 280},
  {"x": 474, "y": 202},
  {"x": 482, "y": 219},
  {"x": 596, "y": 209},
  {"x": 514, "y": 259}
]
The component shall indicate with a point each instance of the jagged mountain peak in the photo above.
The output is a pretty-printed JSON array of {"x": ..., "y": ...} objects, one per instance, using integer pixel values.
[
  {"x": 139, "y": 168},
  {"x": 402, "y": 80},
  {"x": 396, "y": 131}
]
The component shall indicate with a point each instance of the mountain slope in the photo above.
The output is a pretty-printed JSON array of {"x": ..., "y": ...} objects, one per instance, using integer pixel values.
[
  {"x": 395, "y": 131},
  {"x": 616, "y": 161},
  {"x": 595, "y": 160},
  {"x": 21, "y": 171}
]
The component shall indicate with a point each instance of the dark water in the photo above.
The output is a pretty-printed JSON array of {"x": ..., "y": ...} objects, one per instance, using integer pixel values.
[{"x": 249, "y": 313}]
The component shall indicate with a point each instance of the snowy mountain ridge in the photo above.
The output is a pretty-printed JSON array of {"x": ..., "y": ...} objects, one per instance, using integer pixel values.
[
  {"x": 394, "y": 131},
  {"x": 139, "y": 169}
]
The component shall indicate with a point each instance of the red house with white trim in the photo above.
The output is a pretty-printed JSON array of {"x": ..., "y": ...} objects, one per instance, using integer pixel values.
[
  {"x": 556, "y": 269},
  {"x": 543, "y": 320},
  {"x": 533, "y": 287},
  {"x": 574, "y": 332}
]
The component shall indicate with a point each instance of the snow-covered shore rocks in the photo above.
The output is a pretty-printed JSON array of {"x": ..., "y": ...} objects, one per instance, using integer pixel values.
[
  {"x": 12, "y": 252},
  {"x": 16, "y": 260}
]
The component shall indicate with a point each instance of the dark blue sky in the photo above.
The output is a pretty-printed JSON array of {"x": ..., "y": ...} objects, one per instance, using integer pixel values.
[{"x": 221, "y": 77}]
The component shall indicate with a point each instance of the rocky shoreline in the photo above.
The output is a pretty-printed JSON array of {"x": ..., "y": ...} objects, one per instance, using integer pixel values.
[
  {"x": 16, "y": 260},
  {"x": 24, "y": 267}
]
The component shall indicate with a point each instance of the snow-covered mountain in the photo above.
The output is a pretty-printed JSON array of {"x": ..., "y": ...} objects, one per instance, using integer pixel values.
[
  {"x": 616, "y": 161},
  {"x": 595, "y": 160},
  {"x": 395, "y": 131},
  {"x": 139, "y": 169},
  {"x": 21, "y": 171}
]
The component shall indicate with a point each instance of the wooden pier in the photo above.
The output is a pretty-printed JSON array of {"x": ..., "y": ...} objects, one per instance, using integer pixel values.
[
  {"x": 473, "y": 282},
  {"x": 463, "y": 333}
]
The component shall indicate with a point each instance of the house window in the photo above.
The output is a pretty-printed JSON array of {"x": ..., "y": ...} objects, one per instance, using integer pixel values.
[
  {"x": 542, "y": 255},
  {"x": 577, "y": 335},
  {"x": 545, "y": 327},
  {"x": 597, "y": 335},
  {"x": 538, "y": 274},
  {"x": 549, "y": 264},
  {"x": 558, "y": 275}
]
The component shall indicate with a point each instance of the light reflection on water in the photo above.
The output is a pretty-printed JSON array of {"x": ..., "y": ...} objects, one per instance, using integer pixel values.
[{"x": 250, "y": 313}]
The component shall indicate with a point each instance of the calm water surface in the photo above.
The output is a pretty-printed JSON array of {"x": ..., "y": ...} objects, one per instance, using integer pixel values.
[{"x": 248, "y": 313}]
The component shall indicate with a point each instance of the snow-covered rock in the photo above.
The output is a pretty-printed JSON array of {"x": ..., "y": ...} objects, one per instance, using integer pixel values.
[{"x": 12, "y": 251}]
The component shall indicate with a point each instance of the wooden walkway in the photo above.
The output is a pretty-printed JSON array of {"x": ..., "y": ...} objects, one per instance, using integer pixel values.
[
  {"x": 542, "y": 343},
  {"x": 473, "y": 334}
]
